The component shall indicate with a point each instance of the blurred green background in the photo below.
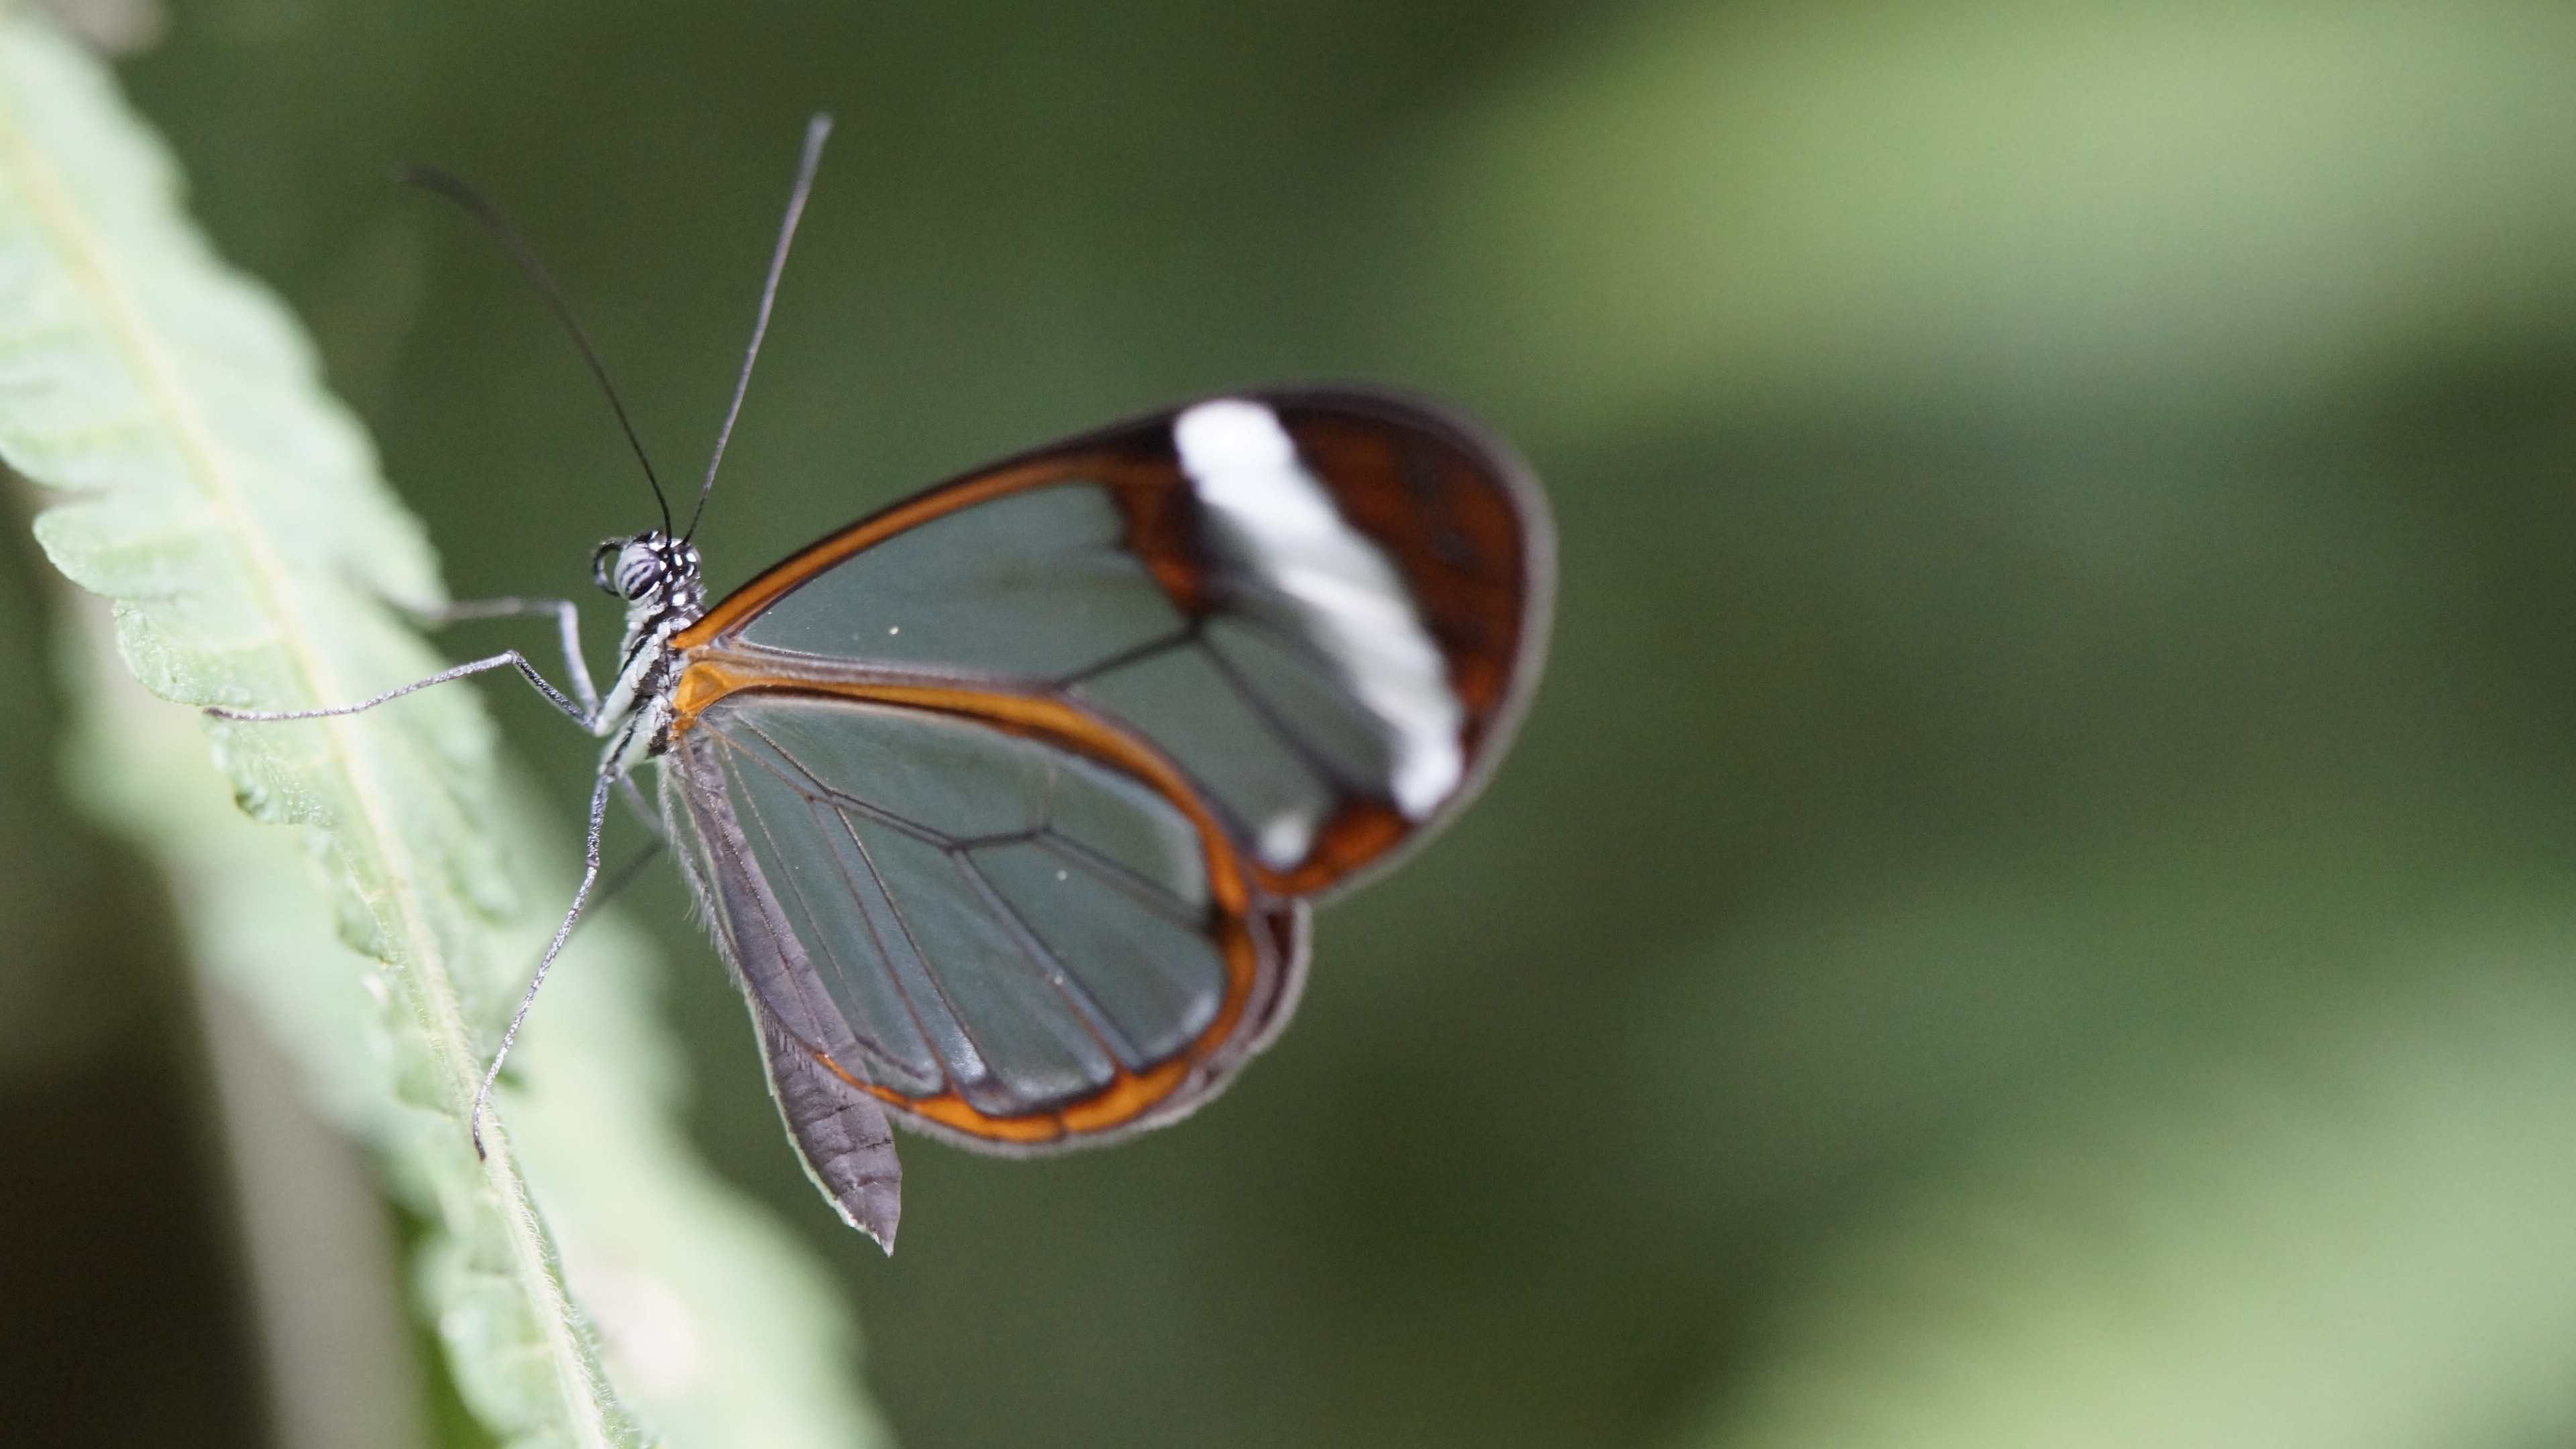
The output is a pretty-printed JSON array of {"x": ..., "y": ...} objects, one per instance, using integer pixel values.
[{"x": 2037, "y": 903}]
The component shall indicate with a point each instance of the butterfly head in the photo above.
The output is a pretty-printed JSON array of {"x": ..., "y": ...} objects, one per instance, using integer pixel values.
[{"x": 654, "y": 573}]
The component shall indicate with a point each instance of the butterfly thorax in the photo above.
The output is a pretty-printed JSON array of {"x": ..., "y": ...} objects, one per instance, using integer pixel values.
[{"x": 661, "y": 581}]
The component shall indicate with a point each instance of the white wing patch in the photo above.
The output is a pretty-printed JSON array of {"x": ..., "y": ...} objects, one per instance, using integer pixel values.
[{"x": 1271, "y": 520}]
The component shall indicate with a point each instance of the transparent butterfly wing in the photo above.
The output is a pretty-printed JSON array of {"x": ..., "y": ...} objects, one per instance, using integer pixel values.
[
  {"x": 1008, "y": 800},
  {"x": 1011, "y": 940}
]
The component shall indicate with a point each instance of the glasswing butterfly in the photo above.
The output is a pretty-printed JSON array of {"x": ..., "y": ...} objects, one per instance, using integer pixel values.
[{"x": 1007, "y": 804}]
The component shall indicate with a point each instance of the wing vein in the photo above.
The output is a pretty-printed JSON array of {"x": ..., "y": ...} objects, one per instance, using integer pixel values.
[
  {"x": 1280, "y": 726},
  {"x": 1119, "y": 878},
  {"x": 1053, "y": 970},
  {"x": 812, "y": 787},
  {"x": 868, "y": 920},
  {"x": 1125, "y": 657},
  {"x": 884, "y": 962}
]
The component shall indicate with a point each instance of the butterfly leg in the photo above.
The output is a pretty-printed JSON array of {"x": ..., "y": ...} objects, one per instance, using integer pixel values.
[
  {"x": 507, "y": 659},
  {"x": 563, "y": 933},
  {"x": 618, "y": 880},
  {"x": 567, "y": 615}
]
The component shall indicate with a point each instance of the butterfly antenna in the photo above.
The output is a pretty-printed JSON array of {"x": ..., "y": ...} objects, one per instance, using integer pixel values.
[
  {"x": 815, "y": 131},
  {"x": 430, "y": 178}
]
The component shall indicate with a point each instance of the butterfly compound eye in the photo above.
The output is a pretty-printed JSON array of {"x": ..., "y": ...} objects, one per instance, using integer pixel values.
[{"x": 631, "y": 568}]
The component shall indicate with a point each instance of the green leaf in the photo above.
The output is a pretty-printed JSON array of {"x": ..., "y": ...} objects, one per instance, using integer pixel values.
[{"x": 234, "y": 514}]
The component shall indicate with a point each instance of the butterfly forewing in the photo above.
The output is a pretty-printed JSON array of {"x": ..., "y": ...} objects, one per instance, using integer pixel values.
[
  {"x": 1327, "y": 608},
  {"x": 1020, "y": 786}
]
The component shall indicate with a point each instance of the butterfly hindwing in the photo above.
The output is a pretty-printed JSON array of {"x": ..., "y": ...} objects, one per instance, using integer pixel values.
[{"x": 1014, "y": 941}]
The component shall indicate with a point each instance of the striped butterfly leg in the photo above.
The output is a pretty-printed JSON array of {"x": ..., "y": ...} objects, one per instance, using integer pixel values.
[
  {"x": 506, "y": 659},
  {"x": 841, "y": 1133},
  {"x": 572, "y": 919},
  {"x": 565, "y": 613},
  {"x": 582, "y": 706}
]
